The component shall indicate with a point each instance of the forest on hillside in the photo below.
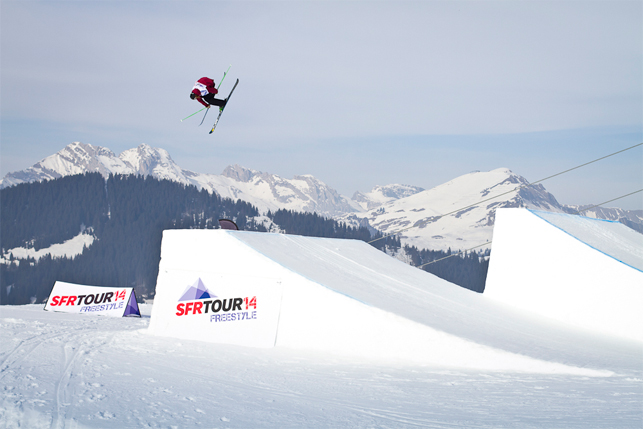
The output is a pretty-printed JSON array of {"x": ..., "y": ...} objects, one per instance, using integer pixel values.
[
  {"x": 127, "y": 215},
  {"x": 468, "y": 270}
]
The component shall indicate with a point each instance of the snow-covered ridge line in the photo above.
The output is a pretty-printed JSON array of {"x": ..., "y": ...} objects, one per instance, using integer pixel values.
[
  {"x": 388, "y": 208},
  {"x": 265, "y": 191},
  {"x": 460, "y": 214}
]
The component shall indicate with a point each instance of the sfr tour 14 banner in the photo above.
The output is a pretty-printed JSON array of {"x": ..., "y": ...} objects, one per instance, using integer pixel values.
[
  {"x": 104, "y": 301},
  {"x": 219, "y": 308}
]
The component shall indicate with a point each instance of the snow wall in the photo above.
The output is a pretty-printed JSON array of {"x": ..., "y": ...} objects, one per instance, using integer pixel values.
[
  {"x": 341, "y": 297},
  {"x": 581, "y": 271}
]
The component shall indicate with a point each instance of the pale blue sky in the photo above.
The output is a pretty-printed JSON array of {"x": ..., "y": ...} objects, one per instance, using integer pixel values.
[{"x": 356, "y": 93}]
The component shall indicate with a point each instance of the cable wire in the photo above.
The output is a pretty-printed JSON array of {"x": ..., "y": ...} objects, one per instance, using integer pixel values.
[{"x": 605, "y": 202}]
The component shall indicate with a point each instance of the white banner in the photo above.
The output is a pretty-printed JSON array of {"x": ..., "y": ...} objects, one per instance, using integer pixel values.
[
  {"x": 231, "y": 309},
  {"x": 82, "y": 299}
]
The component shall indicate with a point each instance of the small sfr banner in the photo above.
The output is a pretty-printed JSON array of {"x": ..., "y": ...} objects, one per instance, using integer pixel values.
[{"x": 82, "y": 299}]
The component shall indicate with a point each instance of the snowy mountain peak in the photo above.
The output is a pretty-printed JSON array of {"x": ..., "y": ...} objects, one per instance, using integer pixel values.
[
  {"x": 142, "y": 157},
  {"x": 75, "y": 158},
  {"x": 79, "y": 158},
  {"x": 272, "y": 192},
  {"x": 383, "y": 194},
  {"x": 148, "y": 161},
  {"x": 239, "y": 173},
  {"x": 457, "y": 214},
  {"x": 486, "y": 179}
]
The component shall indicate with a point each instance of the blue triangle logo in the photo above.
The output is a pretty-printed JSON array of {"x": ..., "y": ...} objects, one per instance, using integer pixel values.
[
  {"x": 132, "y": 306},
  {"x": 196, "y": 291}
]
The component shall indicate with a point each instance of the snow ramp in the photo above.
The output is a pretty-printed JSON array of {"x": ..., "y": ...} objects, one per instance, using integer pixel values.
[
  {"x": 346, "y": 298},
  {"x": 576, "y": 270}
]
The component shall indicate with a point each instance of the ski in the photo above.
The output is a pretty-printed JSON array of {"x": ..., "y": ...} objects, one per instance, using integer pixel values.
[{"x": 222, "y": 108}]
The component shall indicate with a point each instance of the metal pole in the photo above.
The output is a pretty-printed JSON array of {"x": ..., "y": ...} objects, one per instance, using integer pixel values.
[{"x": 224, "y": 74}]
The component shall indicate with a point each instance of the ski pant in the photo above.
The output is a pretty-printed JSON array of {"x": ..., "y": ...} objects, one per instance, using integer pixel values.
[{"x": 209, "y": 98}]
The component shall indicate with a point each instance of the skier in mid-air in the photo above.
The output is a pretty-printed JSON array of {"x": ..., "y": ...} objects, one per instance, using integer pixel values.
[{"x": 204, "y": 91}]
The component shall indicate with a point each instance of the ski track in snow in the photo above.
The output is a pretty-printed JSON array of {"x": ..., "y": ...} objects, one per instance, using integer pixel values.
[{"x": 79, "y": 371}]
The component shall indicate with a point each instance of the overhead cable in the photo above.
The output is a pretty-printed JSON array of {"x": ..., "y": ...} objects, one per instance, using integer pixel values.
[{"x": 623, "y": 196}]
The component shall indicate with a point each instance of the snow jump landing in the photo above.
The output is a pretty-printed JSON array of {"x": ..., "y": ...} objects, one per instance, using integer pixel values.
[
  {"x": 575, "y": 270},
  {"x": 346, "y": 298}
]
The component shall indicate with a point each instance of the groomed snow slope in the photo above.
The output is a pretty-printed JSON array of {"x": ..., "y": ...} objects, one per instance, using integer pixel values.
[
  {"x": 346, "y": 298},
  {"x": 575, "y": 270},
  {"x": 61, "y": 370}
]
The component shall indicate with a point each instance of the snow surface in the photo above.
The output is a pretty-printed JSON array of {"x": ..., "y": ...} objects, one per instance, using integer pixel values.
[
  {"x": 576, "y": 270},
  {"x": 77, "y": 371},
  {"x": 68, "y": 249},
  {"x": 609, "y": 237}
]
